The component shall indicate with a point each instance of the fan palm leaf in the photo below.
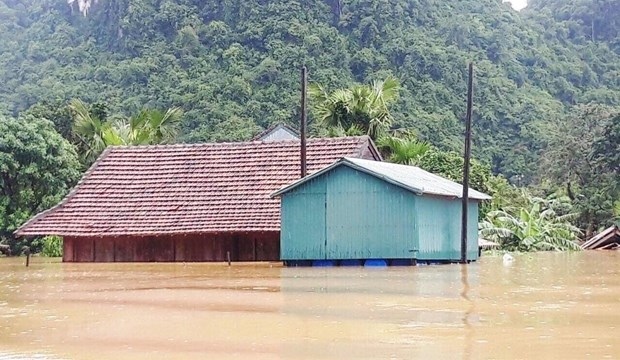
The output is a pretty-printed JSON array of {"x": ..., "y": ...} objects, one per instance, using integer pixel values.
[
  {"x": 403, "y": 150},
  {"x": 364, "y": 105}
]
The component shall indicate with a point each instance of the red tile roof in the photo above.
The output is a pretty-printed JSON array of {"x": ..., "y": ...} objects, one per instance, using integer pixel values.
[{"x": 175, "y": 189}]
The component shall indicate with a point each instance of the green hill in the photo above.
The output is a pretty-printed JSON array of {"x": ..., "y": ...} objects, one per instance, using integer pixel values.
[{"x": 233, "y": 65}]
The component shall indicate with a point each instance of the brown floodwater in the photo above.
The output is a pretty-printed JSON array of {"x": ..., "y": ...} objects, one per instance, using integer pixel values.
[{"x": 545, "y": 306}]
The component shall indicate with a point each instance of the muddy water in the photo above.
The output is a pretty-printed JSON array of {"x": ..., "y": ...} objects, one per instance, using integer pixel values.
[{"x": 540, "y": 306}]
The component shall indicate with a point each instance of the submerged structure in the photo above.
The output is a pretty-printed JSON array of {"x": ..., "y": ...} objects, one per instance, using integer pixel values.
[
  {"x": 608, "y": 239},
  {"x": 202, "y": 202},
  {"x": 357, "y": 210}
]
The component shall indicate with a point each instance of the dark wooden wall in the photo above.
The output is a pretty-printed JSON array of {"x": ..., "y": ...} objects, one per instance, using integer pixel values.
[{"x": 260, "y": 246}]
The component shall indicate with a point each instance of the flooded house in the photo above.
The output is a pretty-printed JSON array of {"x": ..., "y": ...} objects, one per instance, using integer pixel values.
[
  {"x": 356, "y": 210},
  {"x": 199, "y": 202}
]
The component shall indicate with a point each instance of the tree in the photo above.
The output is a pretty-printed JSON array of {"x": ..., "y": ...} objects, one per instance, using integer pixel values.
[
  {"x": 225, "y": 60},
  {"x": 365, "y": 106},
  {"x": 407, "y": 151},
  {"x": 606, "y": 154},
  {"x": 449, "y": 164},
  {"x": 37, "y": 168},
  {"x": 148, "y": 127},
  {"x": 606, "y": 148},
  {"x": 539, "y": 227},
  {"x": 95, "y": 132},
  {"x": 576, "y": 160},
  {"x": 57, "y": 112},
  {"x": 91, "y": 129}
]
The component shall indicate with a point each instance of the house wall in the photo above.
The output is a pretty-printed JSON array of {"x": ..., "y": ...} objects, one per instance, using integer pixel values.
[
  {"x": 303, "y": 222},
  {"x": 439, "y": 224},
  {"x": 256, "y": 246},
  {"x": 348, "y": 214}
]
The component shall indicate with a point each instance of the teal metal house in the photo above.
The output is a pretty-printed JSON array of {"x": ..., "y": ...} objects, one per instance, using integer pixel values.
[{"x": 358, "y": 210}]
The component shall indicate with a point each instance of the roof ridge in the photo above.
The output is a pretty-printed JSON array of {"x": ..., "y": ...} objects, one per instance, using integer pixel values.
[{"x": 235, "y": 143}]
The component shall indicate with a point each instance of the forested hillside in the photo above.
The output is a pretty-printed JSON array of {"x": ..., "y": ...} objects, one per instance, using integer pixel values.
[
  {"x": 581, "y": 21},
  {"x": 233, "y": 65}
]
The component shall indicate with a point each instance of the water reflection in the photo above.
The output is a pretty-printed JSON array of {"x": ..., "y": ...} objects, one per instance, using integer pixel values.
[
  {"x": 541, "y": 306},
  {"x": 469, "y": 330}
]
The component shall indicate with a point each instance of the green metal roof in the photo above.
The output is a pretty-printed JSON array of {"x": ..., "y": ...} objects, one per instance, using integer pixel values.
[{"x": 410, "y": 178}]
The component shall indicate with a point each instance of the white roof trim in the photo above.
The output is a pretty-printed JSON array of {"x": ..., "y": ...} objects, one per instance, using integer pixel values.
[{"x": 410, "y": 178}]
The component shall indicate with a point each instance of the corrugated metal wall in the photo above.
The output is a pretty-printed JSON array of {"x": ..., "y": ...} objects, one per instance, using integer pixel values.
[
  {"x": 368, "y": 218},
  {"x": 302, "y": 233},
  {"x": 347, "y": 214},
  {"x": 439, "y": 222},
  {"x": 472, "y": 231}
]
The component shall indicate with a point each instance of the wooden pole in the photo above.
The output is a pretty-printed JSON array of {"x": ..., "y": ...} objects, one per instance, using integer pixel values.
[
  {"x": 27, "y": 252},
  {"x": 470, "y": 101},
  {"x": 302, "y": 125}
]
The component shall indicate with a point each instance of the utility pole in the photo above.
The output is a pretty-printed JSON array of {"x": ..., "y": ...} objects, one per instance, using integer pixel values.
[
  {"x": 470, "y": 102},
  {"x": 302, "y": 126}
]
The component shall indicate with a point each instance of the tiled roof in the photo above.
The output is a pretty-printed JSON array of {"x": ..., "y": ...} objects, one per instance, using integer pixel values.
[
  {"x": 408, "y": 177},
  {"x": 174, "y": 189}
]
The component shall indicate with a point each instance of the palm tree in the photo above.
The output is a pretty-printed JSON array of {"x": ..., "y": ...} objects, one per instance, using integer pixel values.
[
  {"x": 155, "y": 126},
  {"x": 363, "y": 105},
  {"x": 89, "y": 129},
  {"x": 147, "y": 127},
  {"x": 538, "y": 228},
  {"x": 405, "y": 151}
]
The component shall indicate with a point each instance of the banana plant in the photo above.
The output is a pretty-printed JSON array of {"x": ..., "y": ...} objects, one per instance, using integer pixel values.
[{"x": 536, "y": 228}]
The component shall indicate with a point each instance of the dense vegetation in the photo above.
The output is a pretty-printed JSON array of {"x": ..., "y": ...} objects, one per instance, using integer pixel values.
[
  {"x": 547, "y": 79},
  {"x": 37, "y": 168}
]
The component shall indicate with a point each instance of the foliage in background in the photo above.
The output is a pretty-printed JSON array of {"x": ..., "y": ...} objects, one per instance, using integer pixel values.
[
  {"x": 606, "y": 148},
  {"x": 95, "y": 132},
  {"x": 90, "y": 128},
  {"x": 363, "y": 107},
  {"x": 589, "y": 21},
  {"x": 37, "y": 168},
  {"x": 406, "y": 151},
  {"x": 449, "y": 164},
  {"x": 51, "y": 246},
  {"x": 542, "y": 226},
  {"x": 234, "y": 65},
  {"x": 579, "y": 160}
]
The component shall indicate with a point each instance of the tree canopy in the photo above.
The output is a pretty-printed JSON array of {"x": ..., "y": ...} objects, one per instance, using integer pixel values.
[
  {"x": 37, "y": 168},
  {"x": 233, "y": 65}
]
